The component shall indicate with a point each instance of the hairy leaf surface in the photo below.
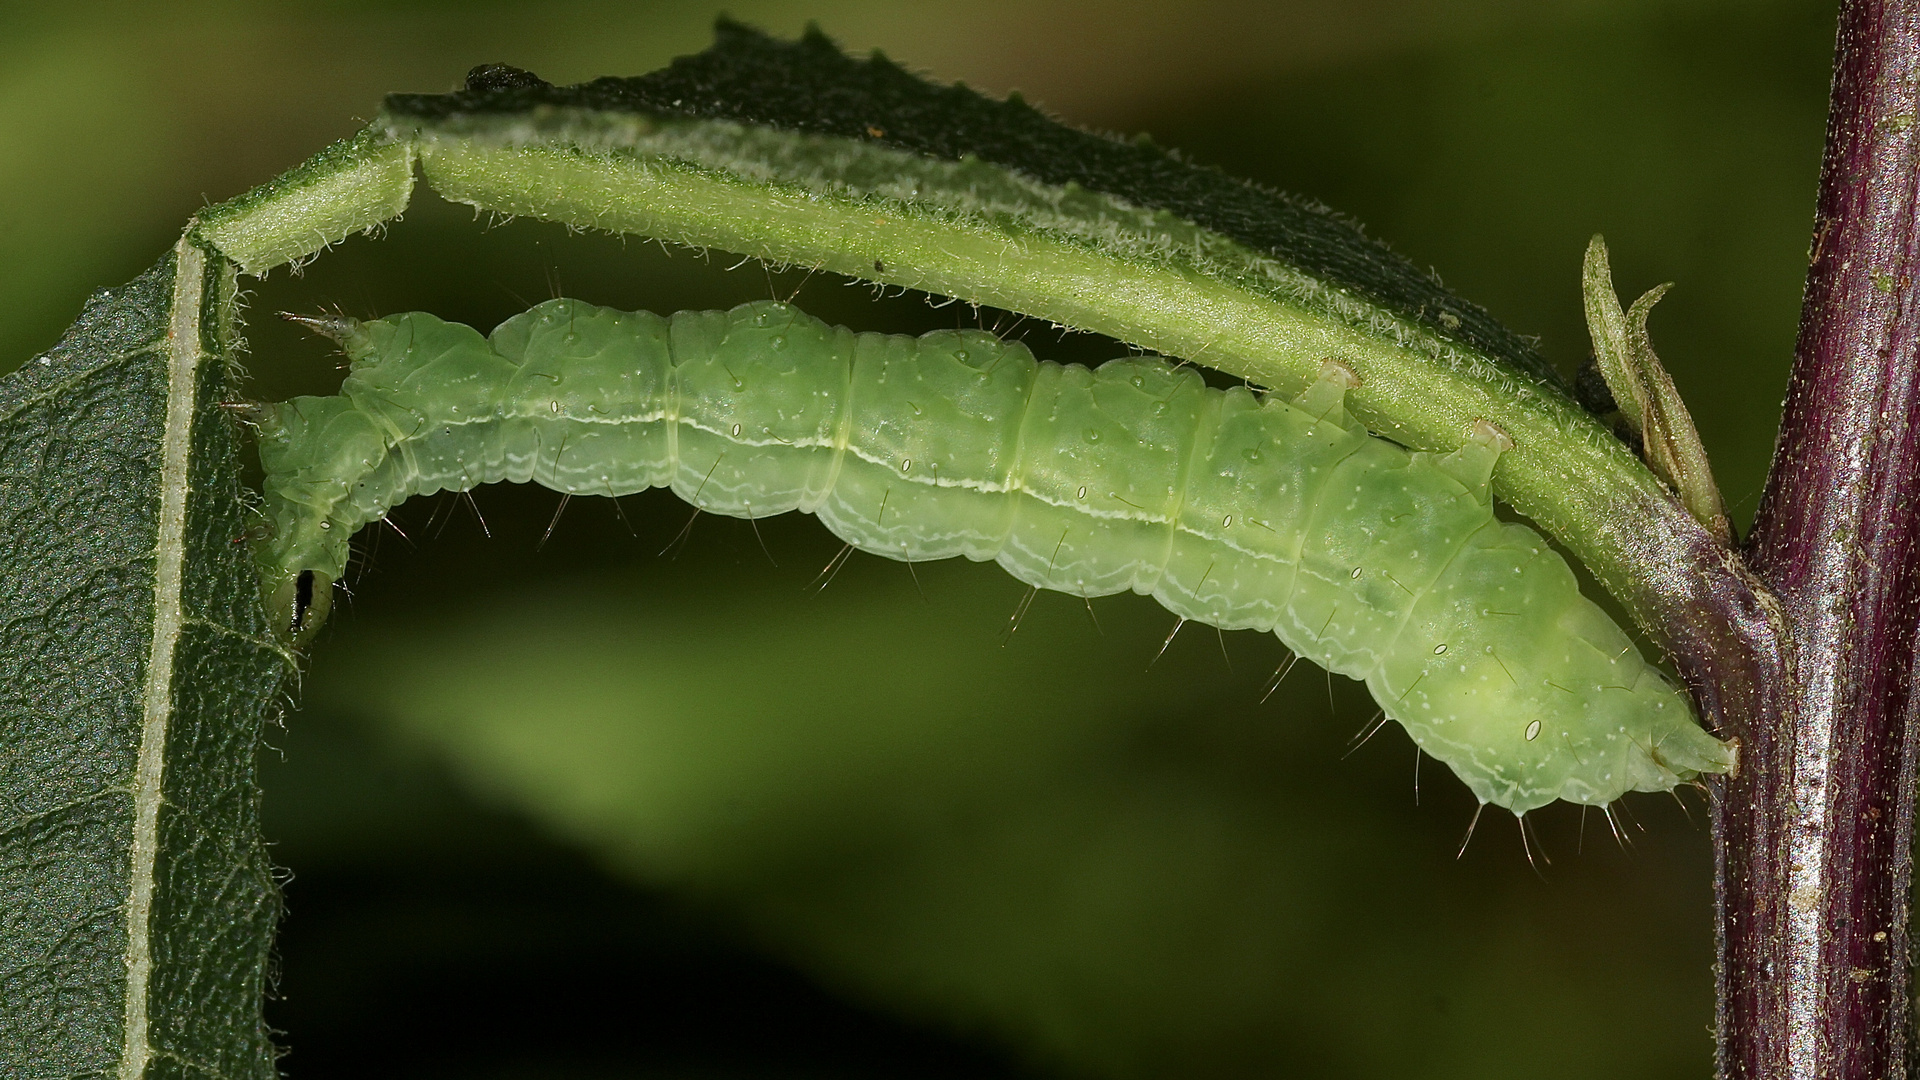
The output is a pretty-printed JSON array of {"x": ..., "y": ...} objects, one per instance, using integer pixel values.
[
  {"x": 136, "y": 900},
  {"x": 797, "y": 154}
]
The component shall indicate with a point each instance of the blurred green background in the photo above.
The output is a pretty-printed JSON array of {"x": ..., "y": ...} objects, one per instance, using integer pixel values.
[{"x": 582, "y": 809}]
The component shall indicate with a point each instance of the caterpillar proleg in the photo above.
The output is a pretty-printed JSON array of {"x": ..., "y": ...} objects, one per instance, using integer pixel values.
[{"x": 1228, "y": 508}]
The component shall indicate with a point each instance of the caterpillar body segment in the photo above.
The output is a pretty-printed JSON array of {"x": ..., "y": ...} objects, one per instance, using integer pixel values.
[{"x": 1230, "y": 509}]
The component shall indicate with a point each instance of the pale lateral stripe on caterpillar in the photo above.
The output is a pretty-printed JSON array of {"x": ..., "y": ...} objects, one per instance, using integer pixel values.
[{"x": 1381, "y": 564}]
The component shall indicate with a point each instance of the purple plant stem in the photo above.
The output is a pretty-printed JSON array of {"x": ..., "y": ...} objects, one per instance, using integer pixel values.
[{"x": 1814, "y": 836}]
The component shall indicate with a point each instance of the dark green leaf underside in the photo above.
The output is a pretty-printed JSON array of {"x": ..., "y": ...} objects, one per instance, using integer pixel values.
[
  {"x": 136, "y": 899},
  {"x": 810, "y": 86}
]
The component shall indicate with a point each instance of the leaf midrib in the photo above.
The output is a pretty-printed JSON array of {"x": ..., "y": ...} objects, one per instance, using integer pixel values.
[{"x": 183, "y": 350}]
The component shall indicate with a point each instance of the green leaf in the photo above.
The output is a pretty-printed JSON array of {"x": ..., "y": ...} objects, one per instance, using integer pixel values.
[
  {"x": 1648, "y": 401},
  {"x": 352, "y": 186},
  {"x": 135, "y": 673},
  {"x": 796, "y": 154}
]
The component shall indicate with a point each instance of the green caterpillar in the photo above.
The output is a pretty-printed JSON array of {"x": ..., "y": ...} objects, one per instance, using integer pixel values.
[{"x": 1229, "y": 508}]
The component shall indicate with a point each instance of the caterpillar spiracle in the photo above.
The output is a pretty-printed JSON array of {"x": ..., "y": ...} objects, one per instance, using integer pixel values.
[{"x": 1229, "y": 508}]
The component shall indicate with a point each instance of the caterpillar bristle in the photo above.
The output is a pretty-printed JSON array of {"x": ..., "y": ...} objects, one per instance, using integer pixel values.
[
  {"x": 252, "y": 412},
  {"x": 332, "y": 327}
]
